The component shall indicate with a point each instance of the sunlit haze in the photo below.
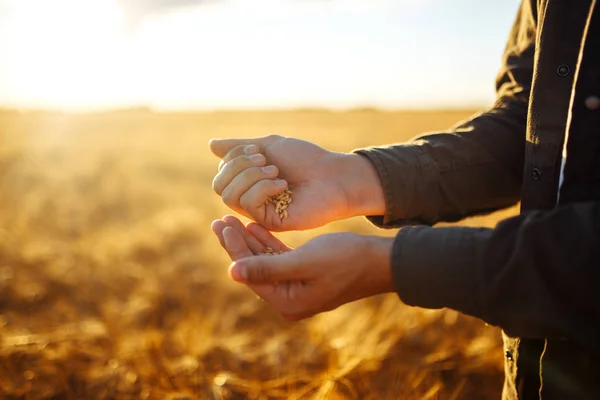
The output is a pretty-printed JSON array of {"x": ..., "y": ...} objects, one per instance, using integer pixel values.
[{"x": 186, "y": 54}]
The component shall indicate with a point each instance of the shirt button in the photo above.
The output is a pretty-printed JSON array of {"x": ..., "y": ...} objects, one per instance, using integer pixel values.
[
  {"x": 536, "y": 174},
  {"x": 592, "y": 103},
  {"x": 509, "y": 355},
  {"x": 563, "y": 70}
]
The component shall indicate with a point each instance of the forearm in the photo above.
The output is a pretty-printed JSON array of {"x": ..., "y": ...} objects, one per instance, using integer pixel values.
[
  {"x": 474, "y": 168},
  {"x": 535, "y": 276}
]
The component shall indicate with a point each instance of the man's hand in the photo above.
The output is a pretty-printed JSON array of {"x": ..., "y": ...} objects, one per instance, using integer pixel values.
[
  {"x": 321, "y": 275},
  {"x": 326, "y": 186}
]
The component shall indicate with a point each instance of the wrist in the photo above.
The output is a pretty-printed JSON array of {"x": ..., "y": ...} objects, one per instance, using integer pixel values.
[
  {"x": 378, "y": 268},
  {"x": 362, "y": 186}
]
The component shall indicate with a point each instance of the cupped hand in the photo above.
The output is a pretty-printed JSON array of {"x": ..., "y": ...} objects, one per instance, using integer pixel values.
[
  {"x": 325, "y": 273},
  {"x": 326, "y": 186}
]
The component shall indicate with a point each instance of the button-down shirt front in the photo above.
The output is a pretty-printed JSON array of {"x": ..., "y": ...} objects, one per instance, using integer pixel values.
[{"x": 537, "y": 275}]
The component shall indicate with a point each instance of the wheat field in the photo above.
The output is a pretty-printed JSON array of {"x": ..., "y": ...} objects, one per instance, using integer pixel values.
[{"x": 112, "y": 285}]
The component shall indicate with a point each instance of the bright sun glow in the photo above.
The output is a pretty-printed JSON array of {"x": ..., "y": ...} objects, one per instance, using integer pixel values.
[
  {"x": 82, "y": 54},
  {"x": 66, "y": 52}
]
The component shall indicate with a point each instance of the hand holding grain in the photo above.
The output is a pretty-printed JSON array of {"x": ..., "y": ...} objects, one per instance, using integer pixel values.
[
  {"x": 325, "y": 273},
  {"x": 325, "y": 186}
]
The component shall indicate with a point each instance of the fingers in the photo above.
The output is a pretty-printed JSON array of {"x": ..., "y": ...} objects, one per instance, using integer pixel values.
[
  {"x": 265, "y": 237},
  {"x": 257, "y": 194},
  {"x": 253, "y": 243},
  {"x": 256, "y": 237},
  {"x": 269, "y": 269},
  {"x": 233, "y": 168},
  {"x": 220, "y": 147},
  {"x": 238, "y": 151},
  {"x": 232, "y": 194},
  {"x": 217, "y": 227},
  {"x": 236, "y": 246}
]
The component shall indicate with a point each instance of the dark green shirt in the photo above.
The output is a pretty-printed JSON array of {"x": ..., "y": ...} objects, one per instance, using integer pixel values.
[{"x": 537, "y": 275}]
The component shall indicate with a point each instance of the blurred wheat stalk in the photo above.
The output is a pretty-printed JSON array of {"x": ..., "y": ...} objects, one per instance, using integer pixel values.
[{"x": 112, "y": 286}]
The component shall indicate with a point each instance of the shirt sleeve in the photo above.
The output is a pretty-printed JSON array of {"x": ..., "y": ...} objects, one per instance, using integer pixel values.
[
  {"x": 477, "y": 166},
  {"x": 535, "y": 275}
]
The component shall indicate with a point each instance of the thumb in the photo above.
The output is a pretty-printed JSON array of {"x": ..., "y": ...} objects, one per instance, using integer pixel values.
[
  {"x": 269, "y": 269},
  {"x": 220, "y": 147}
]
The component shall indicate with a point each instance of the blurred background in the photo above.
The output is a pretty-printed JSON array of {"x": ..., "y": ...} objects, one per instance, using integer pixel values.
[{"x": 112, "y": 285}]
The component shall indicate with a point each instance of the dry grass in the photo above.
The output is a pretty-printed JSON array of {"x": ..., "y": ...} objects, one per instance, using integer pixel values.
[{"x": 113, "y": 287}]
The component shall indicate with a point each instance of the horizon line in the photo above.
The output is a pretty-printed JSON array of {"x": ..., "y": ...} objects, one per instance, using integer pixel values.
[{"x": 206, "y": 110}]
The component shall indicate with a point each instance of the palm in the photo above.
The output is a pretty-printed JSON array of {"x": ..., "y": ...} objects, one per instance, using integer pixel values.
[
  {"x": 317, "y": 195},
  {"x": 308, "y": 290},
  {"x": 246, "y": 241}
]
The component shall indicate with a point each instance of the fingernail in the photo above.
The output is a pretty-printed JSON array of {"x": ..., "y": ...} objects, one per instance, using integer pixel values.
[
  {"x": 251, "y": 149},
  {"x": 280, "y": 182},
  {"x": 257, "y": 158},
  {"x": 269, "y": 169},
  {"x": 239, "y": 273}
]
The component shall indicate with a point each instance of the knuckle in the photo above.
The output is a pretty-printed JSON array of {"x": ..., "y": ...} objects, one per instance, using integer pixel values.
[
  {"x": 241, "y": 165},
  {"x": 233, "y": 164},
  {"x": 247, "y": 202},
  {"x": 273, "y": 137},
  {"x": 227, "y": 195},
  {"x": 244, "y": 203},
  {"x": 262, "y": 273},
  {"x": 270, "y": 171},
  {"x": 237, "y": 150},
  {"x": 217, "y": 186},
  {"x": 248, "y": 162},
  {"x": 254, "y": 198},
  {"x": 245, "y": 160},
  {"x": 253, "y": 159},
  {"x": 252, "y": 174},
  {"x": 233, "y": 153}
]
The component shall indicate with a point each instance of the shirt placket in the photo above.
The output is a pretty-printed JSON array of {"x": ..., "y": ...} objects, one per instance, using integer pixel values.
[
  {"x": 557, "y": 53},
  {"x": 561, "y": 27}
]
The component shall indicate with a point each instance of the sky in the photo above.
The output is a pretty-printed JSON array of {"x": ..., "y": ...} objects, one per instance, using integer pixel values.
[{"x": 237, "y": 54}]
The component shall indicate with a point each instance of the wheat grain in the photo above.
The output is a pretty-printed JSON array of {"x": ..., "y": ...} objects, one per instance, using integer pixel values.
[
  {"x": 281, "y": 202},
  {"x": 270, "y": 252}
]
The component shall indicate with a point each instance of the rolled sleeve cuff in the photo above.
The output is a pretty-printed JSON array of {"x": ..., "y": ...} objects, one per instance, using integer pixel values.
[
  {"x": 409, "y": 181},
  {"x": 437, "y": 268}
]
